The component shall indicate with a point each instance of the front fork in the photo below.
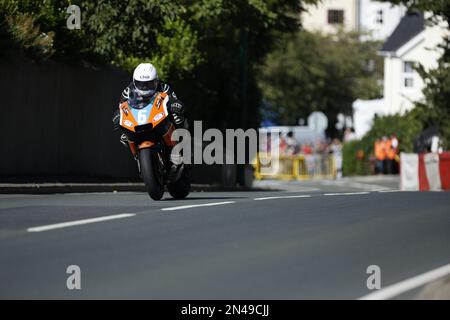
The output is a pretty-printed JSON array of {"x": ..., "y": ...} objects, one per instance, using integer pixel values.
[
  {"x": 135, "y": 154},
  {"x": 148, "y": 144},
  {"x": 133, "y": 149}
]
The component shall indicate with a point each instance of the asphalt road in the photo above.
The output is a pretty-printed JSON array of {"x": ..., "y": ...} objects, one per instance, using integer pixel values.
[{"x": 314, "y": 240}]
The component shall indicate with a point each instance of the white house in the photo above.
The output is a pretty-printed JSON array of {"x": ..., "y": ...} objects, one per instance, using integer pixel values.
[
  {"x": 376, "y": 18},
  {"x": 412, "y": 42}
]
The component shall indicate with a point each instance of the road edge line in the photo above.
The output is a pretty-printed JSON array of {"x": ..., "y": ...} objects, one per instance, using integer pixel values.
[{"x": 408, "y": 284}]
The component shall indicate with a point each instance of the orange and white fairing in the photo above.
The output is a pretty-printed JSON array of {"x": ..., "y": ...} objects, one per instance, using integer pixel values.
[{"x": 154, "y": 112}]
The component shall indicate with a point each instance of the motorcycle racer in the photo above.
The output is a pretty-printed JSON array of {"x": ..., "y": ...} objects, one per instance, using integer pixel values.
[{"x": 144, "y": 86}]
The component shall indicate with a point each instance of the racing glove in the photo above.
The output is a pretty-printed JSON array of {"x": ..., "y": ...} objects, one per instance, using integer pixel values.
[
  {"x": 115, "y": 120},
  {"x": 177, "y": 111},
  {"x": 124, "y": 140}
]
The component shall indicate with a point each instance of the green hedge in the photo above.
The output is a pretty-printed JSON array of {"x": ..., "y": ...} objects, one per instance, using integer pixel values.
[{"x": 351, "y": 164}]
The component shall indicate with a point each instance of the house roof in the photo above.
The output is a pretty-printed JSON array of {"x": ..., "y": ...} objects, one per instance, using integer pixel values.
[{"x": 410, "y": 26}]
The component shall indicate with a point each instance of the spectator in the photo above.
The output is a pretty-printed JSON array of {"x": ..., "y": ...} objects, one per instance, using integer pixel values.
[
  {"x": 307, "y": 148},
  {"x": 291, "y": 144},
  {"x": 321, "y": 150},
  {"x": 391, "y": 154},
  {"x": 380, "y": 155},
  {"x": 336, "y": 149},
  {"x": 282, "y": 144},
  {"x": 349, "y": 134}
]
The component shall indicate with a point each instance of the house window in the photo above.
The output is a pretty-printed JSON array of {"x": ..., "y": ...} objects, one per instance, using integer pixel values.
[
  {"x": 408, "y": 67},
  {"x": 408, "y": 74},
  {"x": 409, "y": 82},
  {"x": 335, "y": 16},
  {"x": 379, "y": 18}
]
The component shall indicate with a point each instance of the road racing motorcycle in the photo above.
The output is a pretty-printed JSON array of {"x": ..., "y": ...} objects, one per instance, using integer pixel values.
[{"x": 149, "y": 127}]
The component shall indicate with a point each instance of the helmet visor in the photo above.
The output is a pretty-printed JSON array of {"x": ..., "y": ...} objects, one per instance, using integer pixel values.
[{"x": 146, "y": 86}]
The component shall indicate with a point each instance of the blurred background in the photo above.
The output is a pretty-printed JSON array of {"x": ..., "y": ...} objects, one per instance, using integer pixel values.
[{"x": 354, "y": 81}]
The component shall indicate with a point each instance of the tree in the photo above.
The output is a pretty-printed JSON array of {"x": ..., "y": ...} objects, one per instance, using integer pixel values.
[
  {"x": 314, "y": 72},
  {"x": 435, "y": 109},
  {"x": 234, "y": 37},
  {"x": 438, "y": 8},
  {"x": 115, "y": 32},
  {"x": 208, "y": 49}
]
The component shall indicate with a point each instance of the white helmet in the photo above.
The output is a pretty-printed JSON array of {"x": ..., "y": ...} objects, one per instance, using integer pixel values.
[{"x": 145, "y": 79}]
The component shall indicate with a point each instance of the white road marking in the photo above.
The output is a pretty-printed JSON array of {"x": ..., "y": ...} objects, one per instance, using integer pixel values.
[
  {"x": 389, "y": 191},
  {"x": 303, "y": 190},
  {"x": 79, "y": 222},
  {"x": 197, "y": 205},
  {"x": 346, "y": 193},
  {"x": 409, "y": 284},
  {"x": 352, "y": 184},
  {"x": 283, "y": 197}
]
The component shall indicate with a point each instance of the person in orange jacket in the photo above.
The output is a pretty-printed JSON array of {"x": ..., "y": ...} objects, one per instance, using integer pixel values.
[{"x": 380, "y": 155}]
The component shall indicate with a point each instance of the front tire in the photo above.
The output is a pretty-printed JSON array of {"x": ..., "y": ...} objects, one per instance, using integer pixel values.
[
  {"x": 151, "y": 174},
  {"x": 182, "y": 187}
]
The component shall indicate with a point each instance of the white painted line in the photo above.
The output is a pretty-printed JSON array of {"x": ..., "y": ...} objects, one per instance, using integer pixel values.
[
  {"x": 303, "y": 190},
  {"x": 79, "y": 222},
  {"x": 389, "y": 191},
  {"x": 345, "y": 193},
  {"x": 197, "y": 205},
  {"x": 407, "y": 285},
  {"x": 355, "y": 185},
  {"x": 283, "y": 197}
]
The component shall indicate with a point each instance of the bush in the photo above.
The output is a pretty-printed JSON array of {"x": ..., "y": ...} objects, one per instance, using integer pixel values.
[{"x": 355, "y": 161}]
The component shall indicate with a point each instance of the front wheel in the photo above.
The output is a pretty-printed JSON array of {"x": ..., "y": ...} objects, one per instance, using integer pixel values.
[
  {"x": 151, "y": 173},
  {"x": 181, "y": 188}
]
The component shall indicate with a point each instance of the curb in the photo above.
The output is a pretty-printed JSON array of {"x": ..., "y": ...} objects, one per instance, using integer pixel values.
[{"x": 51, "y": 188}]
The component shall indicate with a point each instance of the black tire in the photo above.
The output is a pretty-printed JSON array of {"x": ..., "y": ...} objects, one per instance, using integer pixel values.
[
  {"x": 150, "y": 173},
  {"x": 182, "y": 187}
]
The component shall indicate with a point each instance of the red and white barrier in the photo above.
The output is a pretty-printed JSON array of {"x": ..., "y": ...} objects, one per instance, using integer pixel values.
[
  {"x": 409, "y": 172},
  {"x": 425, "y": 172}
]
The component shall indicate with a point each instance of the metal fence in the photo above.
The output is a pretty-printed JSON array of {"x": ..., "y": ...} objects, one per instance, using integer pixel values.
[{"x": 300, "y": 167}]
